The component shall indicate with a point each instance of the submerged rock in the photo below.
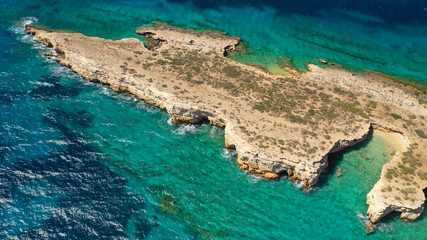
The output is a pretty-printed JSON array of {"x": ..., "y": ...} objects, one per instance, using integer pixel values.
[
  {"x": 339, "y": 172},
  {"x": 322, "y": 61},
  {"x": 370, "y": 228},
  {"x": 168, "y": 204}
]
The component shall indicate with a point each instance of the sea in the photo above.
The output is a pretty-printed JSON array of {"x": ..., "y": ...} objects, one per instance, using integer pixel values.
[{"x": 78, "y": 161}]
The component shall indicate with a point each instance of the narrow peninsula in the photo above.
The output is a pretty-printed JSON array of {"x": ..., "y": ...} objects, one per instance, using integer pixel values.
[{"x": 278, "y": 124}]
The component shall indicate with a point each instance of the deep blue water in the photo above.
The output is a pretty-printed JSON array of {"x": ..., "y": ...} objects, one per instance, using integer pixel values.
[
  {"x": 392, "y": 12},
  {"x": 51, "y": 182},
  {"x": 79, "y": 161}
]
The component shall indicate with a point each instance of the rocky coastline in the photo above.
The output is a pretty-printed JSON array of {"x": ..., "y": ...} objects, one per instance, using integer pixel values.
[{"x": 278, "y": 125}]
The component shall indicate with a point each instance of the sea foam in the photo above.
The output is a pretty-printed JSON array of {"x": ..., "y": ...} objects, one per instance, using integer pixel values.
[{"x": 183, "y": 130}]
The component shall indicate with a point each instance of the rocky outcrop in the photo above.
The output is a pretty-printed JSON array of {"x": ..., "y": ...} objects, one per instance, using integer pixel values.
[
  {"x": 204, "y": 41},
  {"x": 388, "y": 196},
  {"x": 394, "y": 193}
]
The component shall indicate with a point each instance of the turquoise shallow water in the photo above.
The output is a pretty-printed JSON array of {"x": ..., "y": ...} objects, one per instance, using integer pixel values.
[
  {"x": 379, "y": 35},
  {"x": 79, "y": 161}
]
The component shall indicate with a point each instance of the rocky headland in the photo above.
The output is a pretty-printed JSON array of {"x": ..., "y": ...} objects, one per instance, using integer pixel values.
[{"x": 277, "y": 124}]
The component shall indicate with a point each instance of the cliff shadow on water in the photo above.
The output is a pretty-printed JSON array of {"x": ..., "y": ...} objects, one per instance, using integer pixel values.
[
  {"x": 352, "y": 159},
  {"x": 393, "y": 216}
]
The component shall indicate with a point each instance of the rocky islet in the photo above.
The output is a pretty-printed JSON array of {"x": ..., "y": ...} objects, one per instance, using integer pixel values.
[{"x": 277, "y": 124}]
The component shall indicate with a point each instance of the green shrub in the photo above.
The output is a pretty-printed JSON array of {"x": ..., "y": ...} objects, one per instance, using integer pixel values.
[
  {"x": 295, "y": 118},
  {"x": 420, "y": 133},
  {"x": 227, "y": 85},
  {"x": 160, "y": 62},
  {"x": 260, "y": 107},
  {"x": 395, "y": 116},
  {"x": 406, "y": 170},
  {"x": 177, "y": 61},
  {"x": 231, "y": 71},
  {"x": 339, "y": 90}
]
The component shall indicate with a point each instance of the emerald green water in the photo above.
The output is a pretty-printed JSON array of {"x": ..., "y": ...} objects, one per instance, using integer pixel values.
[
  {"x": 79, "y": 161},
  {"x": 213, "y": 196},
  {"x": 186, "y": 175},
  {"x": 380, "y": 36}
]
